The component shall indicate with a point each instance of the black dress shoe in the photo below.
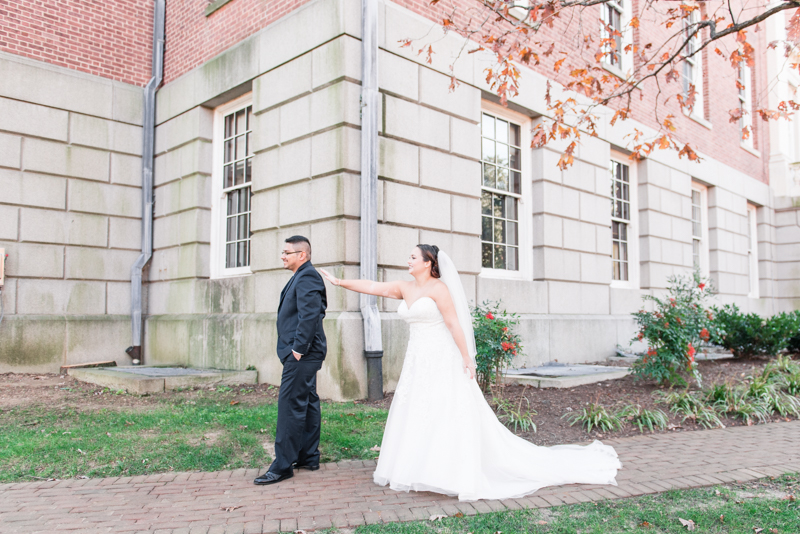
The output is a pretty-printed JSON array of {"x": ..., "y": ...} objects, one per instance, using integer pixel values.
[
  {"x": 271, "y": 478},
  {"x": 309, "y": 467}
]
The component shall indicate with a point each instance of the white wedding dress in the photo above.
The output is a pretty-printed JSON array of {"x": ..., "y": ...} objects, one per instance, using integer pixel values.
[{"x": 442, "y": 436}]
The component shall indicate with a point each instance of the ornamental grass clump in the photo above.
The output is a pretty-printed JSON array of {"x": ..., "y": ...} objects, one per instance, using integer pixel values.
[
  {"x": 677, "y": 326},
  {"x": 691, "y": 407},
  {"x": 495, "y": 341},
  {"x": 517, "y": 415},
  {"x": 595, "y": 416},
  {"x": 644, "y": 418}
]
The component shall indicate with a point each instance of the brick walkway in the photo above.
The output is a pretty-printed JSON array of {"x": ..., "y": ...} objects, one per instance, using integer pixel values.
[{"x": 343, "y": 494}]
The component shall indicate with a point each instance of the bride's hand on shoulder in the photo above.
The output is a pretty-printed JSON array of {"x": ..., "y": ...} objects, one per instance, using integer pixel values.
[
  {"x": 469, "y": 369},
  {"x": 329, "y": 277}
]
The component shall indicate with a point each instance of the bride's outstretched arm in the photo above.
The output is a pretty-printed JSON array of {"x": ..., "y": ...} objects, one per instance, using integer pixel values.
[
  {"x": 391, "y": 290},
  {"x": 448, "y": 310}
]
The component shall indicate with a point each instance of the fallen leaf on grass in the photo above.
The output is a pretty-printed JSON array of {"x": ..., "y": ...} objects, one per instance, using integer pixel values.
[
  {"x": 757, "y": 530},
  {"x": 108, "y": 434},
  {"x": 230, "y": 508},
  {"x": 242, "y": 427},
  {"x": 459, "y": 514},
  {"x": 722, "y": 519},
  {"x": 542, "y": 522},
  {"x": 80, "y": 451},
  {"x": 376, "y": 448},
  {"x": 688, "y": 523},
  {"x": 299, "y": 532},
  {"x": 83, "y": 477},
  {"x": 673, "y": 427},
  {"x": 774, "y": 530},
  {"x": 234, "y": 403},
  {"x": 645, "y": 524},
  {"x": 789, "y": 497},
  {"x": 436, "y": 517}
]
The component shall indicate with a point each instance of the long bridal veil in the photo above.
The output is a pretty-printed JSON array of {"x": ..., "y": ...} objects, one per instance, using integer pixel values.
[{"x": 449, "y": 275}]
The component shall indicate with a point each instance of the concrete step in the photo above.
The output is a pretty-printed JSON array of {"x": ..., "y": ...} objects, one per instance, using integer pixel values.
[
  {"x": 563, "y": 376},
  {"x": 142, "y": 379}
]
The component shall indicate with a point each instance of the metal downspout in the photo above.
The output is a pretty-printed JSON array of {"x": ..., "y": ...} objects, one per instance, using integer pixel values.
[
  {"x": 148, "y": 135},
  {"x": 373, "y": 347}
]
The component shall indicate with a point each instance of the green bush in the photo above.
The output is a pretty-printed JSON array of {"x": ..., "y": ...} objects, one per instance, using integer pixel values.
[
  {"x": 495, "y": 341},
  {"x": 748, "y": 334},
  {"x": 674, "y": 329},
  {"x": 794, "y": 341}
]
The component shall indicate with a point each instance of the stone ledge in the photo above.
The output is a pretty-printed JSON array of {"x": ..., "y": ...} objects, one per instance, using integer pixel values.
[
  {"x": 142, "y": 380},
  {"x": 215, "y": 5}
]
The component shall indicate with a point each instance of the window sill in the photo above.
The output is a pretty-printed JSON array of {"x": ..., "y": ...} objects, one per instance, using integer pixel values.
[
  {"x": 501, "y": 274},
  {"x": 233, "y": 273},
  {"x": 699, "y": 120},
  {"x": 616, "y": 71},
  {"x": 215, "y": 5},
  {"x": 750, "y": 149}
]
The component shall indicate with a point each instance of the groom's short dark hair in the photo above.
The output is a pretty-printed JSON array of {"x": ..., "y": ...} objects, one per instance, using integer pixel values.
[{"x": 302, "y": 241}]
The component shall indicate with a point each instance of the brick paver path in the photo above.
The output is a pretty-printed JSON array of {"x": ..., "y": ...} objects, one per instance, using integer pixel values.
[{"x": 343, "y": 494}]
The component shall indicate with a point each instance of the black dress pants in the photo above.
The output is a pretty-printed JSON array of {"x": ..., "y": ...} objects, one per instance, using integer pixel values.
[{"x": 299, "y": 418}]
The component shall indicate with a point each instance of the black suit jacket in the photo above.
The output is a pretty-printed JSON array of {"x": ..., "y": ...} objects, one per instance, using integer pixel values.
[{"x": 300, "y": 315}]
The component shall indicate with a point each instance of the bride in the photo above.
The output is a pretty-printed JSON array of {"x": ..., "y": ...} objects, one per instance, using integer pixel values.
[{"x": 441, "y": 434}]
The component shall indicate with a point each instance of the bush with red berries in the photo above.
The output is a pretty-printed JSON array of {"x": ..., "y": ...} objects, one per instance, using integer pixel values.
[
  {"x": 679, "y": 323},
  {"x": 495, "y": 341}
]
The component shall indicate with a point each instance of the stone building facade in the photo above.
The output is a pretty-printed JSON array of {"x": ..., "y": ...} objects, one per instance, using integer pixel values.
[{"x": 258, "y": 139}]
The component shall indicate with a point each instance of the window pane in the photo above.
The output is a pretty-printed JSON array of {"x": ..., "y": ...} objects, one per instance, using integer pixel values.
[
  {"x": 241, "y": 126},
  {"x": 499, "y": 257},
  {"x": 626, "y": 214},
  {"x": 486, "y": 233},
  {"x": 488, "y": 126},
  {"x": 231, "y": 233},
  {"x": 249, "y": 176},
  {"x": 623, "y": 249},
  {"x": 499, "y": 231},
  {"x": 486, "y": 256},
  {"x": 511, "y": 233},
  {"x": 502, "y": 154},
  {"x": 615, "y": 270},
  {"x": 249, "y": 145},
  {"x": 233, "y": 202},
  {"x": 625, "y": 271},
  {"x": 512, "y": 263},
  {"x": 502, "y": 178},
  {"x": 244, "y": 200},
  {"x": 614, "y": 230},
  {"x": 486, "y": 203},
  {"x": 227, "y": 176},
  {"x": 515, "y": 137},
  {"x": 488, "y": 150},
  {"x": 516, "y": 182},
  {"x": 229, "y": 126},
  {"x": 228, "y": 151},
  {"x": 240, "y": 146},
  {"x": 511, "y": 208},
  {"x": 249, "y": 118},
  {"x": 488, "y": 175},
  {"x": 241, "y": 255},
  {"x": 244, "y": 226},
  {"x": 239, "y": 174},
  {"x": 230, "y": 255},
  {"x": 615, "y": 250},
  {"x": 501, "y": 131},
  {"x": 626, "y": 194},
  {"x": 623, "y": 232},
  {"x": 516, "y": 159},
  {"x": 499, "y": 206}
]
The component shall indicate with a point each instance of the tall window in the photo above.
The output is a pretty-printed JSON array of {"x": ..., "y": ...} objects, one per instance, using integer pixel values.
[
  {"x": 233, "y": 175},
  {"x": 618, "y": 36},
  {"x": 620, "y": 220},
  {"x": 699, "y": 228},
  {"x": 744, "y": 83},
  {"x": 501, "y": 158},
  {"x": 752, "y": 251},
  {"x": 692, "y": 74}
]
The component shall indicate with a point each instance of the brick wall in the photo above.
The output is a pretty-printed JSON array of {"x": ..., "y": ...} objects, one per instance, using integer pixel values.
[
  {"x": 193, "y": 38},
  {"x": 721, "y": 142},
  {"x": 111, "y": 38}
]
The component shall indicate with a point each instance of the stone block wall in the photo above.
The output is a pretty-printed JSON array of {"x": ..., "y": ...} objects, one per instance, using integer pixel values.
[
  {"x": 787, "y": 259},
  {"x": 70, "y": 213}
]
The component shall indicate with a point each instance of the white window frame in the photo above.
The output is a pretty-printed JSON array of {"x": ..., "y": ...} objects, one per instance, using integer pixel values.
[
  {"x": 625, "y": 67},
  {"x": 703, "y": 239},
  {"x": 218, "y": 205},
  {"x": 695, "y": 64},
  {"x": 745, "y": 79},
  {"x": 525, "y": 215},
  {"x": 633, "y": 228},
  {"x": 752, "y": 250}
]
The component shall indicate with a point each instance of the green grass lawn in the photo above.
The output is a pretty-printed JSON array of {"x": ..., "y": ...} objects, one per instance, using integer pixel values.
[
  {"x": 206, "y": 434},
  {"x": 747, "y": 509}
]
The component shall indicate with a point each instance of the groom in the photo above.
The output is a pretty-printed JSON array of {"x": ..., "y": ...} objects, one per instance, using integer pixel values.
[{"x": 301, "y": 349}]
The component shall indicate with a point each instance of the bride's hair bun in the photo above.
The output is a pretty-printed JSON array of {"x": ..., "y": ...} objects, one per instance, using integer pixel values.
[{"x": 431, "y": 253}]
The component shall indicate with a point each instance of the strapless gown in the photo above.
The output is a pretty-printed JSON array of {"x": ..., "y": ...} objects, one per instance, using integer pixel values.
[{"x": 442, "y": 436}]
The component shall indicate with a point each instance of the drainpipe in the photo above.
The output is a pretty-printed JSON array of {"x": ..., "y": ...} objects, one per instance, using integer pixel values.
[
  {"x": 148, "y": 135},
  {"x": 373, "y": 347}
]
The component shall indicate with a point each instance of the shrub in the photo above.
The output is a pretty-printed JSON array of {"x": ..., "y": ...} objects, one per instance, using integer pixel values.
[
  {"x": 691, "y": 407},
  {"x": 509, "y": 414},
  {"x": 748, "y": 334},
  {"x": 495, "y": 341},
  {"x": 673, "y": 331},
  {"x": 595, "y": 416},
  {"x": 794, "y": 341}
]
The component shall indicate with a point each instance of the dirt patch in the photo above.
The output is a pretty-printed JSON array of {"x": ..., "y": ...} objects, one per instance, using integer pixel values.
[{"x": 54, "y": 392}]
